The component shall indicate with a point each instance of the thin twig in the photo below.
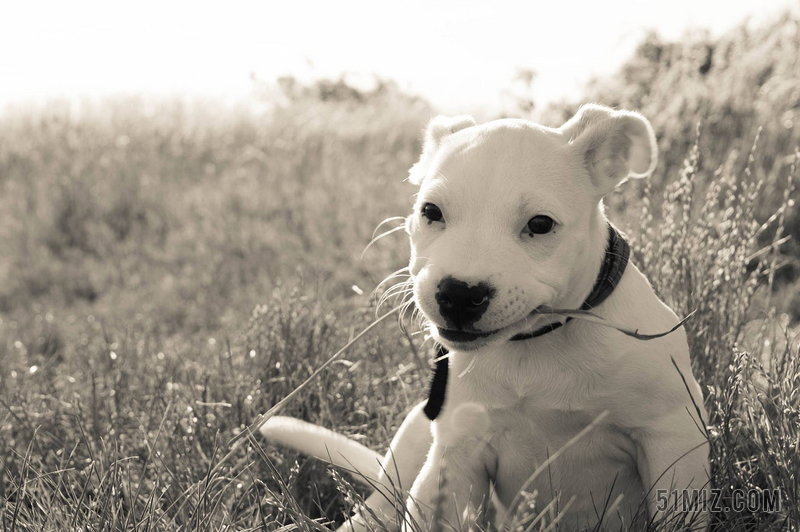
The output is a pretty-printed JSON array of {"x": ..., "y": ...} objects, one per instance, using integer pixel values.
[{"x": 594, "y": 318}]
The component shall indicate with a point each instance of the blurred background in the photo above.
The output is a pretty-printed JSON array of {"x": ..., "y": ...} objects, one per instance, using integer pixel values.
[
  {"x": 167, "y": 168},
  {"x": 150, "y": 151}
]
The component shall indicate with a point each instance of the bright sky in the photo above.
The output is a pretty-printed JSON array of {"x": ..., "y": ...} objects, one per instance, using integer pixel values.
[{"x": 458, "y": 54}]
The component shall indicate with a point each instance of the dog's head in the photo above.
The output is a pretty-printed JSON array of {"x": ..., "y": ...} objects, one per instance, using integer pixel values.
[{"x": 509, "y": 217}]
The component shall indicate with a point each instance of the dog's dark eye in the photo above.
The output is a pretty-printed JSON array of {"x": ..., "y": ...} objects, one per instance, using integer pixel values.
[
  {"x": 540, "y": 225},
  {"x": 432, "y": 212}
]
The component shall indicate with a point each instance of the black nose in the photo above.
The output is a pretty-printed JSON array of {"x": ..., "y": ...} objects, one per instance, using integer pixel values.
[{"x": 460, "y": 304}]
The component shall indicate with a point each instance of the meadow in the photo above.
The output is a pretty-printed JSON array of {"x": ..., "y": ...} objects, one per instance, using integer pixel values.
[{"x": 170, "y": 270}]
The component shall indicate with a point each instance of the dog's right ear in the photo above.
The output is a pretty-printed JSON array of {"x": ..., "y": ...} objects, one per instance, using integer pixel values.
[
  {"x": 613, "y": 145},
  {"x": 437, "y": 129}
]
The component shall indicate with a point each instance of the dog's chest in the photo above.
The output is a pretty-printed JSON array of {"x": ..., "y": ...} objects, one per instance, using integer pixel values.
[
  {"x": 595, "y": 464},
  {"x": 537, "y": 408},
  {"x": 559, "y": 376}
]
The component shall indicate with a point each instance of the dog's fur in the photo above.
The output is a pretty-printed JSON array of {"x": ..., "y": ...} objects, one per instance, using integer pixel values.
[{"x": 515, "y": 406}]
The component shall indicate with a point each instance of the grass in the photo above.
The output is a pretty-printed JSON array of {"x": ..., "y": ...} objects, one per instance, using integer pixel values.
[{"x": 169, "y": 271}]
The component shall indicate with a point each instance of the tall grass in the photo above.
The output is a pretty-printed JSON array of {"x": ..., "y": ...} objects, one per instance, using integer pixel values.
[
  {"x": 136, "y": 238},
  {"x": 705, "y": 256}
]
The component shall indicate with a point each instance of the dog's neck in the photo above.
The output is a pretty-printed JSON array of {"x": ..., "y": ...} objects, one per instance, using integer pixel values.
[{"x": 585, "y": 277}]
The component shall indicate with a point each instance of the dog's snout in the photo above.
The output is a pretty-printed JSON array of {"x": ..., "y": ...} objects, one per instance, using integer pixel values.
[{"x": 461, "y": 304}]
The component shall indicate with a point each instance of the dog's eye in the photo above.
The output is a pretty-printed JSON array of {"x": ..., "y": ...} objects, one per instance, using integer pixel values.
[
  {"x": 432, "y": 212},
  {"x": 540, "y": 225}
]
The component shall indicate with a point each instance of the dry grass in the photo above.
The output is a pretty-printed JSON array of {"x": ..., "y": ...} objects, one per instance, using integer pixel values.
[{"x": 136, "y": 238}]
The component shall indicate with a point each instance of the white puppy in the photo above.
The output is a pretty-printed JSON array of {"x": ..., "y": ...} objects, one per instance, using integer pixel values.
[{"x": 509, "y": 219}]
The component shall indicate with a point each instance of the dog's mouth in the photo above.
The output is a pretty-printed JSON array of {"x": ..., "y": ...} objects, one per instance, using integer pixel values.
[
  {"x": 475, "y": 339},
  {"x": 463, "y": 336}
]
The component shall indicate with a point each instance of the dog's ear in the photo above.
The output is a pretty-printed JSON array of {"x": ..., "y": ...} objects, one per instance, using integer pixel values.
[
  {"x": 613, "y": 145},
  {"x": 437, "y": 129}
]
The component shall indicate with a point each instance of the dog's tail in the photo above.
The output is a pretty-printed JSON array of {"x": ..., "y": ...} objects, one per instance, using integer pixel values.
[{"x": 324, "y": 444}]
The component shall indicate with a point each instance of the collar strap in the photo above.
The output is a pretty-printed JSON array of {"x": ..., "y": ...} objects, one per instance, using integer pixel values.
[
  {"x": 616, "y": 259},
  {"x": 618, "y": 251}
]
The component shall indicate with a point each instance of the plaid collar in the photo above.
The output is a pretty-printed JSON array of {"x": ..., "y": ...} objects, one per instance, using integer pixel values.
[{"x": 616, "y": 259}]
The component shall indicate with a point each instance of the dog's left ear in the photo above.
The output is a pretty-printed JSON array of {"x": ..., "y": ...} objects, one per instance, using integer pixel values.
[
  {"x": 613, "y": 145},
  {"x": 437, "y": 129}
]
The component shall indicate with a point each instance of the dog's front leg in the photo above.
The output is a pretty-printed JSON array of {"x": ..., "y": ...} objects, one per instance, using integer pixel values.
[
  {"x": 399, "y": 468},
  {"x": 453, "y": 487},
  {"x": 673, "y": 463}
]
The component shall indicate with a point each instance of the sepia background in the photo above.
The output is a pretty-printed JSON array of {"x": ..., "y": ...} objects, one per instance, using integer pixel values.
[{"x": 186, "y": 192}]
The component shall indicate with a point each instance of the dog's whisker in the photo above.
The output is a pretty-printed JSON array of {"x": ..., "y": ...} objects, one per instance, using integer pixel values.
[
  {"x": 399, "y": 278},
  {"x": 384, "y": 300},
  {"x": 404, "y": 300},
  {"x": 405, "y": 306},
  {"x": 399, "y": 288},
  {"x": 394, "y": 275},
  {"x": 394, "y": 292},
  {"x": 409, "y": 303},
  {"x": 401, "y": 271},
  {"x": 400, "y": 308},
  {"x": 420, "y": 317},
  {"x": 386, "y": 221},
  {"x": 382, "y": 235}
]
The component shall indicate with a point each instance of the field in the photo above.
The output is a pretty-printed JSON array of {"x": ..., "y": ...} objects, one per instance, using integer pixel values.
[{"x": 170, "y": 270}]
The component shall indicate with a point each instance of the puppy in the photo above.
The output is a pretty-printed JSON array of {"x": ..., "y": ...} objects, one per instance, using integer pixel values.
[{"x": 603, "y": 428}]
